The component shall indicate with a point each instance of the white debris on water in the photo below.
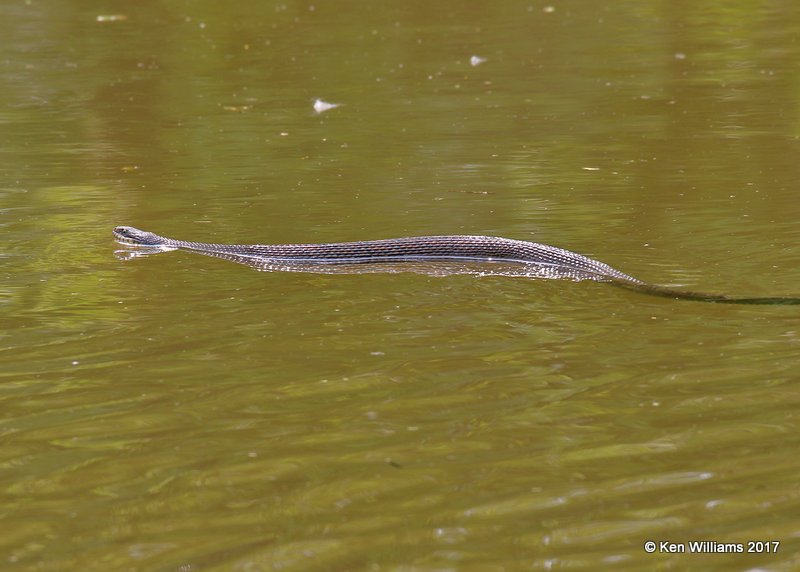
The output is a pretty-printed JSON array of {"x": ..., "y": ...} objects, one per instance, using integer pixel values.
[
  {"x": 476, "y": 61},
  {"x": 111, "y": 17},
  {"x": 321, "y": 106}
]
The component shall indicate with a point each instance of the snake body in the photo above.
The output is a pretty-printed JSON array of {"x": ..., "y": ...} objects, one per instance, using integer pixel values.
[{"x": 538, "y": 259}]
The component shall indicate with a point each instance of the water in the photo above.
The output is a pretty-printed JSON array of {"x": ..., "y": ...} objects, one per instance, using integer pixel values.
[{"x": 177, "y": 412}]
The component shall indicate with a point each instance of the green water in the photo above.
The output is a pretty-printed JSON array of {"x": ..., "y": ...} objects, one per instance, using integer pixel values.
[{"x": 177, "y": 412}]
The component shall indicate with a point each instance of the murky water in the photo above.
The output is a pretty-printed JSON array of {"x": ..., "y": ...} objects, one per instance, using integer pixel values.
[{"x": 177, "y": 412}]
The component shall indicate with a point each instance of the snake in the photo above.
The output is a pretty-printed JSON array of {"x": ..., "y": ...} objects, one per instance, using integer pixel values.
[{"x": 530, "y": 258}]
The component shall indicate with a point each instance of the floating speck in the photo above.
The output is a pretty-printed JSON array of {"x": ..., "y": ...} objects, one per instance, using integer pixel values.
[
  {"x": 476, "y": 61},
  {"x": 321, "y": 106},
  {"x": 111, "y": 17}
]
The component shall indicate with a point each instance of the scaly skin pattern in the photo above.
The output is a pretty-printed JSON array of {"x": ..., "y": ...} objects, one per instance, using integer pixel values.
[{"x": 543, "y": 260}]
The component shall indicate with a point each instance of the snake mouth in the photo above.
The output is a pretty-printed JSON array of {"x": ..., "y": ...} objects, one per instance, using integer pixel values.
[{"x": 122, "y": 238}]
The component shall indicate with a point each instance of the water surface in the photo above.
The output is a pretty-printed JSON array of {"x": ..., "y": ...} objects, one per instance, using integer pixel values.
[{"x": 179, "y": 412}]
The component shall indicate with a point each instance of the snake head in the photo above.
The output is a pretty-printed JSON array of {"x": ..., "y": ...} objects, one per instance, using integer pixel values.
[{"x": 136, "y": 237}]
